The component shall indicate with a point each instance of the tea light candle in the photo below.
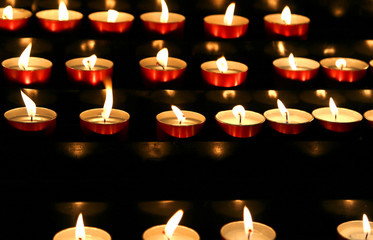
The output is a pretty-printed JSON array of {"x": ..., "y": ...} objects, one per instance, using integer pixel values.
[
  {"x": 180, "y": 124},
  {"x": 368, "y": 115},
  {"x": 286, "y": 24},
  {"x": 296, "y": 68},
  {"x": 111, "y": 21},
  {"x": 59, "y": 20},
  {"x": 224, "y": 73},
  {"x": 344, "y": 69},
  {"x": 239, "y": 122},
  {"x": 226, "y": 25},
  {"x": 13, "y": 19},
  {"x": 355, "y": 230}
]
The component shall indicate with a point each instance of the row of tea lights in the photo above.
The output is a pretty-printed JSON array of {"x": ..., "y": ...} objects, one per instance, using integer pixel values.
[
  {"x": 225, "y": 25},
  {"x": 238, "y": 230},
  {"x": 162, "y": 68},
  {"x": 237, "y": 122}
]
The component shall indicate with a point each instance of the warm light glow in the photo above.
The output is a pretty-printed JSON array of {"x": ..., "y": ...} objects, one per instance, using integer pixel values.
[
  {"x": 222, "y": 64},
  {"x": 272, "y": 93},
  {"x": 172, "y": 224},
  {"x": 366, "y": 226},
  {"x": 8, "y": 12},
  {"x": 79, "y": 230},
  {"x": 228, "y": 17},
  {"x": 248, "y": 222},
  {"x": 30, "y": 105},
  {"x": 179, "y": 114},
  {"x": 239, "y": 112},
  {"x": 23, "y": 59},
  {"x": 341, "y": 63},
  {"x": 63, "y": 14},
  {"x": 162, "y": 57},
  {"x": 284, "y": 112},
  {"x": 112, "y": 15},
  {"x": 108, "y": 105},
  {"x": 229, "y": 94},
  {"x": 164, "y": 14},
  {"x": 90, "y": 62},
  {"x": 321, "y": 93},
  {"x": 333, "y": 108},
  {"x": 292, "y": 63},
  {"x": 286, "y": 15},
  {"x": 281, "y": 48}
]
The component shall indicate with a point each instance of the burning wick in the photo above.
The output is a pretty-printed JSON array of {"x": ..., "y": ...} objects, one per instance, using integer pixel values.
[
  {"x": 249, "y": 234},
  {"x": 162, "y": 58},
  {"x": 158, "y": 64}
]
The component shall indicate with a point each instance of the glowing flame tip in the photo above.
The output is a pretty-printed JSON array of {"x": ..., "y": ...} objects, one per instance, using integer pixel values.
[
  {"x": 173, "y": 223},
  {"x": 222, "y": 64},
  {"x": 286, "y": 15},
  {"x": 239, "y": 112},
  {"x": 179, "y": 114},
  {"x": 229, "y": 13}
]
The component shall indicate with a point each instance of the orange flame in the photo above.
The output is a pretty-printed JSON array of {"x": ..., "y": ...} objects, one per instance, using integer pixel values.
[{"x": 228, "y": 17}]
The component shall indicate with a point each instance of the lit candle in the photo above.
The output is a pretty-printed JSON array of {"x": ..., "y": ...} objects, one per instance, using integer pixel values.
[
  {"x": 13, "y": 19},
  {"x": 223, "y": 73},
  {"x": 226, "y": 25},
  {"x": 344, "y": 69},
  {"x": 111, "y": 21},
  {"x": 286, "y": 24},
  {"x": 172, "y": 230},
  {"x": 239, "y": 122},
  {"x": 81, "y": 232},
  {"x": 355, "y": 230},
  {"x": 26, "y": 69}
]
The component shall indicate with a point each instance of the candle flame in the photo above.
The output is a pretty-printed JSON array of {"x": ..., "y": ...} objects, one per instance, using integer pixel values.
[
  {"x": 164, "y": 14},
  {"x": 248, "y": 222},
  {"x": 162, "y": 57},
  {"x": 79, "y": 230},
  {"x": 228, "y": 17},
  {"x": 179, "y": 114},
  {"x": 108, "y": 105},
  {"x": 112, "y": 15},
  {"x": 90, "y": 62},
  {"x": 340, "y": 63},
  {"x": 333, "y": 108},
  {"x": 173, "y": 223},
  {"x": 284, "y": 112},
  {"x": 239, "y": 112},
  {"x": 8, "y": 12},
  {"x": 366, "y": 226},
  {"x": 286, "y": 15},
  {"x": 30, "y": 106},
  {"x": 24, "y": 58},
  {"x": 292, "y": 63},
  {"x": 222, "y": 64},
  {"x": 63, "y": 14},
  {"x": 321, "y": 93}
]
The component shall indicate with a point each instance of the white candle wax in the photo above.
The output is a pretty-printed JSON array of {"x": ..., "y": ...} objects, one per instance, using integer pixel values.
[
  {"x": 353, "y": 230},
  {"x": 344, "y": 115},
  {"x": 295, "y": 116},
  {"x": 94, "y": 116},
  {"x": 301, "y": 63},
  {"x": 29, "y": 68},
  {"x": 229, "y": 71},
  {"x": 18, "y": 13},
  {"x": 295, "y": 19},
  {"x": 34, "y": 63},
  {"x": 345, "y": 68},
  {"x": 299, "y": 68},
  {"x": 172, "y": 64},
  {"x": 20, "y": 115},
  {"x": 233, "y": 67},
  {"x": 181, "y": 233},
  {"x": 174, "y": 121},
  {"x": 27, "y": 119},
  {"x": 91, "y": 234},
  {"x": 160, "y": 68},
  {"x": 84, "y": 68},
  {"x": 235, "y": 231}
]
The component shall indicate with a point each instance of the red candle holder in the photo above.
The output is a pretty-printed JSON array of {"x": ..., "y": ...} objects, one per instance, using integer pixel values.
[
  {"x": 274, "y": 26},
  {"x": 351, "y": 230},
  {"x": 152, "y": 23},
  {"x": 306, "y": 69},
  {"x": 353, "y": 71},
  {"x": 155, "y": 73},
  {"x": 78, "y": 72},
  {"x": 346, "y": 121},
  {"x": 168, "y": 122},
  {"x": 48, "y": 19},
  {"x": 236, "y": 230},
  {"x": 297, "y": 123},
  {"x": 236, "y": 74},
  {"x": 215, "y": 27},
  {"x": 250, "y": 126},
  {"x": 20, "y": 19},
  {"x": 38, "y": 70},
  {"x": 94, "y": 122},
  {"x": 19, "y": 119},
  {"x": 122, "y": 24}
]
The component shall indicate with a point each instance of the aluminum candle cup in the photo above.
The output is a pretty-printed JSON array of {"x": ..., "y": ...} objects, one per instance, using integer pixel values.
[
  {"x": 122, "y": 24},
  {"x": 353, "y": 71},
  {"x": 236, "y": 74},
  {"x": 78, "y": 72},
  {"x": 91, "y": 233},
  {"x": 215, "y": 27},
  {"x": 153, "y": 24},
  {"x": 275, "y": 26},
  {"x": 169, "y": 123},
  {"x": 181, "y": 233},
  {"x": 153, "y": 72},
  {"x": 48, "y": 19},
  {"x": 352, "y": 230},
  {"x": 235, "y": 230},
  {"x": 93, "y": 121},
  {"x": 19, "y": 119},
  {"x": 38, "y": 70},
  {"x": 20, "y": 19},
  {"x": 306, "y": 68},
  {"x": 250, "y": 125},
  {"x": 298, "y": 122},
  {"x": 346, "y": 121}
]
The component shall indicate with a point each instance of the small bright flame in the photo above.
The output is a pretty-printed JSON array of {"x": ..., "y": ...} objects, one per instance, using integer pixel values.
[
  {"x": 172, "y": 224},
  {"x": 292, "y": 63},
  {"x": 108, "y": 105},
  {"x": 80, "y": 230},
  {"x": 341, "y": 63},
  {"x": 112, "y": 15},
  {"x": 162, "y": 57},
  {"x": 286, "y": 15},
  {"x": 179, "y": 114},
  {"x": 222, "y": 64},
  {"x": 333, "y": 108},
  {"x": 63, "y": 14},
  {"x": 228, "y": 17},
  {"x": 284, "y": 112},
  {"x": 24, "y": 58},
  {"x": 8, "y": 12},
  {"x": 239, "y": 112},
  {"x": 90, "y": 62},
  {"x": 30, "y": 105},
  {"x": 366, "y": 226},
  {"x": 164, "y": 14},
  {"x": 248, "y": 221}
]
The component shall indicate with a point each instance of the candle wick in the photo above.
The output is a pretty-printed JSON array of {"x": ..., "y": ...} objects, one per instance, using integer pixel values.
[
  {"x": 366, "y": 236},
  {"x": 240, "y": 118},
  {"x": 249, "y": 234},
  {"x": 161, "y": 65}
]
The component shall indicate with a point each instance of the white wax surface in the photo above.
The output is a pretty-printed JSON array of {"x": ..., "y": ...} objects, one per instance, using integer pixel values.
[
  {"x": 53, "y": 14},
  {"x": 192, "y": 118},
  {"x": 233, "y": 67},
  {"x": 77, "y": 64},
  {"x": 102, "y": 17},
  {"x": 251, "y": 118},
  {"x": 344, "y": 115},
  {"x": 172, "y": 64},
  {"x": 156, "y": 17},
  {"x": 229, "y": 71},
  {"x": 239, "y": 234},
  {"x": 94, "y": 116},
  {"x": 20, "y": 115},
  {"x": 158, "y": 67},
  {"x": 18, "y": 13},
  {"x": 353, "y": 230},
  {"x": 174, "y": 121},
  {"x": 27, "y": 119},
  {"x": 295, "y": 116},
  {"x": 95, "y": 68},
  {"x": 235, "y": 231},
  {"x": 218, "y": 19},
  {"x": 351, "y": 64},
  {"x": 181, "y": 233},
  {"x": 301, "y": 63},
  {"x": 100, "y": 120},
  {"x": 295, "y": 19}
]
